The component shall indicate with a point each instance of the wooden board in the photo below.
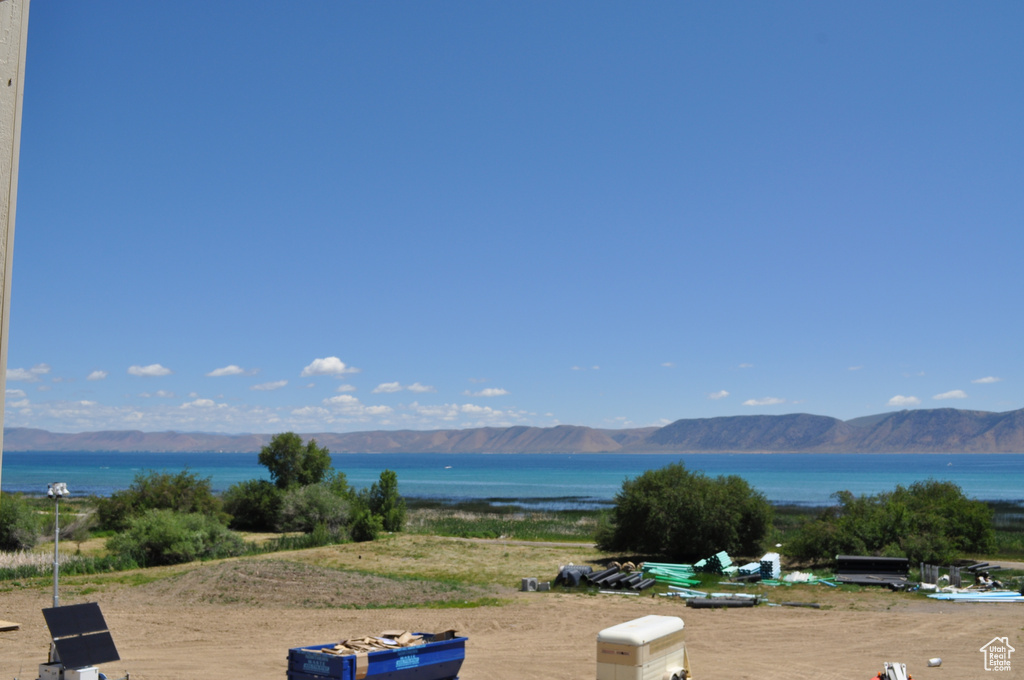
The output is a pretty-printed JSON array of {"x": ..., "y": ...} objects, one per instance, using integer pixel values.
[{"x": 9, "y": 625}]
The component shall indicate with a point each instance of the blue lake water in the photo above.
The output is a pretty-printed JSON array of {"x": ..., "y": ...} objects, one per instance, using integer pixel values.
[{"x": 551, "y": 479}]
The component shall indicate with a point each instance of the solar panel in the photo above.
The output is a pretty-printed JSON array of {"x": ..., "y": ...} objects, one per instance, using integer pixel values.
[
  {"x": 80, "y": 635},
  {"x": 75, "y": 619},
  {"x": 80, "y": 651}
]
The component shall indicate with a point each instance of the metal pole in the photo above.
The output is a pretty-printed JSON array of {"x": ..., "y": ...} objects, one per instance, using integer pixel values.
[
  {"x": 56, "y": 550},
  {"x": 13, "y": 37}
]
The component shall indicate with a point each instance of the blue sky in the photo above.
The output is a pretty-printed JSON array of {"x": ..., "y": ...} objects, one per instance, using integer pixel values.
[{"x": 342, "y": 216}]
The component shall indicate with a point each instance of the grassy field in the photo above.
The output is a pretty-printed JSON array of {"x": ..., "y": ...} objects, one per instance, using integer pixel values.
[
  {"x": 457, "y": 542},
  {"x": 417, "y": 570},
  {"x": 489, "y": 520}
]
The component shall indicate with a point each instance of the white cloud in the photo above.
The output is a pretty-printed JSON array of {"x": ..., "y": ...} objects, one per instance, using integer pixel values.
[
  {"x": 227, "y": 370},
  {"x": 153, "y": 370},
  {"x": 17, "y": 394},
  {"x": 341, "y": 400},
  {"x": 900, "y": 400},
  {"x": 668, "y": 364},
  {"x": 165, "y": 394},
  {"x": 435, "y": 411},
  {"x": 987, "y": 380},
  {"x": 720, "y": 394},
  {"x": 97, "y": 375},
  {"x": 199, "y": 403},
  {"x": 585, "y": 368},
  {"x": 416, "y": 387},
  {"x": 348, "y": 408},
  {"x": 269, "y": 386},
  {"x": 952, "y": 394},
  {"x": 30, "y": 374},
  {"x": 855, "y": 368},
  {"x": 311, "y": 412},
  {"x": 328, "y": 366},
  {"x": 478, "y": 410},
  {"x": 346, "y": 388},
  {"x": 487, "y": 392},
  {"x": 765, "y": 401},
  {"x": 745, "y": 366},
  {"x": 388, "y": 388}
]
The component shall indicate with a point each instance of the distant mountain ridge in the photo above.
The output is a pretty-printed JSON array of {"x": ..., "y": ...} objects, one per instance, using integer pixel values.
[{"x": 943, "y": 430}]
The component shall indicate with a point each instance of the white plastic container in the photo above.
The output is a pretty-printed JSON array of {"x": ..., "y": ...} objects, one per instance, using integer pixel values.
[{"x": 648, "y": 648}]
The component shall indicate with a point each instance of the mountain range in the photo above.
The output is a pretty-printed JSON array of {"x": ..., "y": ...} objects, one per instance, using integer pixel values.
[{"x": 943, "y": 430}]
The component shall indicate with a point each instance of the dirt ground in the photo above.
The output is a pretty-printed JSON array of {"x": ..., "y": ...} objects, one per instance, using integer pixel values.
[{"x": 237, "y": 619}]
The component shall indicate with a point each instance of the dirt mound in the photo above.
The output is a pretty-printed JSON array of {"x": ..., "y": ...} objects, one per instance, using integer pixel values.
[{"x": 281, "y": 583}]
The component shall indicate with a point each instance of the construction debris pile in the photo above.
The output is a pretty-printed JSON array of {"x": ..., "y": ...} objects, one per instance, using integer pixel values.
[
  {"x": 389, "y": 639},
  {"x": 681, "y": 580},
  {"x": 950, "y": 586}
]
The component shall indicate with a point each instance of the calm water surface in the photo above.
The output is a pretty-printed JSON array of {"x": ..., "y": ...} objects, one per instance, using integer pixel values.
[{"x": 552, "y": 479}]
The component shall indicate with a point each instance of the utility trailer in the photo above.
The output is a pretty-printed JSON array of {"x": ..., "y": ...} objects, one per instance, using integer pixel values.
[{"x": 648, "y": 648}]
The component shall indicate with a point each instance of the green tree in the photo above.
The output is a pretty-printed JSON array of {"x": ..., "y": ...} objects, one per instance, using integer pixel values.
[
  {"x": 928, "y": 521},
  {"x": 182, "y": 492},
  {"x": 254, "y": 505},
  {"x": 19, "y": 523},
  {"x": 293, "y": 464},
  {"x": 683, "y": 515},
  {"x": 384, "y": 502}
]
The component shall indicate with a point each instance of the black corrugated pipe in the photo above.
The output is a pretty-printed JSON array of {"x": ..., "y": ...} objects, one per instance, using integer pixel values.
[
  {"x": 645, "y": 584},
  {"x": 629, "y": 581},
  {"x": 594, "y": 578},
  {"x": 718, "y": 602},
  {"x": 613, "y": 579}
]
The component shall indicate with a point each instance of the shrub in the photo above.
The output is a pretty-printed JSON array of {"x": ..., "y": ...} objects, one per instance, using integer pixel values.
[
  {"x": 78, "y": 528},
  {"x": 163, "y": 536},
  {"x": 19, "y": 524},
  {"x": 684, "y": 515},
  {"x": 254, "y": 505},
  {"x": 928, "y": 521},
  {"x": 365, "y": 525},
  {"x": 306, "y": 507},
  {"x": 183, "y": 492},
  {"x": 384, "y": 502}
]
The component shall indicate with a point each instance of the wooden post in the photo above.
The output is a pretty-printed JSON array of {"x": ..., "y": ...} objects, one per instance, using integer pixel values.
[{"x": 13, "y": 38}]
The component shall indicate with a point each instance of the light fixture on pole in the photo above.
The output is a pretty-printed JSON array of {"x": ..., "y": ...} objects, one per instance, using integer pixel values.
[{"x": 56, "y": 491}]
